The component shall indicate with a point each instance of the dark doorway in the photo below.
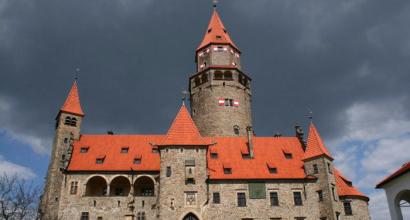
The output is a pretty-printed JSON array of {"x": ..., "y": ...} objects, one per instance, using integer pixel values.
[{"x": 190, "y": 216}]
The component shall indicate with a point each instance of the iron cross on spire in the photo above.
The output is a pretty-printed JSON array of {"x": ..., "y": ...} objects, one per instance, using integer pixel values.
[
  {"x": 310, "y": 116},
  {"x": 77, "y": 73},
  {"x": 184, "y": 95}
]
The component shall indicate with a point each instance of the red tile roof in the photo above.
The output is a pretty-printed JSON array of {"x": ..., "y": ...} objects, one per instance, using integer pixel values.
[
  {"x": 72, "y": 103},
  {"x": 109, "y": 148},
  {"x": 216, "y": 33},
  {"x": 267, "y": 151},
  {"x": 315, "y": 146},
  {"x": 345, "y": 187},
  {"x": 183, "y": 131},
  {"x": 403, "y": 169}
]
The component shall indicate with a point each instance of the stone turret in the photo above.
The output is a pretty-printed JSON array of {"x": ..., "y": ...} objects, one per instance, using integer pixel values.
[
  {"x": 68, "y": 124},
  {"x": 220, "y": 91}
]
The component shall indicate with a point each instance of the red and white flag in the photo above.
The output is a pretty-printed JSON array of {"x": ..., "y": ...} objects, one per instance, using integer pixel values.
[
  {"x": 221, "y": 101},
  {"x": 236, "y": 103}
]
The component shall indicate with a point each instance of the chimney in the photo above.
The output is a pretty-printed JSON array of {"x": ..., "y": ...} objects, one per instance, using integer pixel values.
[{"x": 249, "y": 133}]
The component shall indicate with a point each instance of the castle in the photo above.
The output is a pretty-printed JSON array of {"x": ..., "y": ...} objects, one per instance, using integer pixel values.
[{"x": 209, "y": 165}]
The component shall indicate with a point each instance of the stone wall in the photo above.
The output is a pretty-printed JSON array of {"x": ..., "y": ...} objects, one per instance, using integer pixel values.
[{"x": 360, "y": 209}]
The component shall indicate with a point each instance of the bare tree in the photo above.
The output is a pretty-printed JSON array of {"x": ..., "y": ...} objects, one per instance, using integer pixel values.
[{"x": 18, "y": 198}]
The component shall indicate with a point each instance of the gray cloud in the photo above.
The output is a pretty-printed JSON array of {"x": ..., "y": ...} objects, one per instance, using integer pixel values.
[{"x": 135, "y": 58}]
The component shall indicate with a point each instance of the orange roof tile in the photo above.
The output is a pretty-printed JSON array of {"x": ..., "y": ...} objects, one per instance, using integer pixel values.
[
  {"x": 315, "y": 146},
  {"x": 72, "y": 103},
  {"x": 345, "y": 187},
  {"x": 183, "y": 131},
  {"x": 403, "y": 169},
  {"x": 216, "y": 33}
]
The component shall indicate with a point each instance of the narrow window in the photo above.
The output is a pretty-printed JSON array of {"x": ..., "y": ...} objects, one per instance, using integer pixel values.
[
  {"x": 240, "y": 78},
  {"x": 297, "y": 197},
  {"x": 315, "y": 169},
  {"x": 84, "y": 216},
  {"x": 348, "y": 208},
  {"x": 216, "y": 198},
  {"x": 99, "y": 218},
  {"x": 334, "y": 193},
  {"x": 320, "y": 195},
  {"x": 241, "y": 199},
  {"x": 204, "y": 78},
  {"x": 274, "y": 199},
  {"x": 329, "y": 168},
  {"x": 74, "y": 187},
  {"x": 190, "y": 181},
  {"x": 337, "y": 215},
  {"x": 124, "y": 150},
  {"x": 236, "y": 129},
  {"x": 65, "y": 140},
  {"x": 168, "y": 172}
]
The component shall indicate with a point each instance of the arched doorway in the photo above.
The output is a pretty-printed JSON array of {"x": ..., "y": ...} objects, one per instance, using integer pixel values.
[{"x": 190, "y": 216}]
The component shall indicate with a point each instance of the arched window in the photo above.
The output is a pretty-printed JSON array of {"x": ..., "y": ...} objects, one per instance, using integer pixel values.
[
  {"x": 144, "y": 186},
  {"x": 70, "y": 121},
  {"x": 236, "y": 129},
  {"x": 120, "y": 186},
  {"x": 96, "y": 186},
  {"x": 218, "y": 75},
  {"x": 190, "y": 216},
  {"x": 228, "y": 75}
]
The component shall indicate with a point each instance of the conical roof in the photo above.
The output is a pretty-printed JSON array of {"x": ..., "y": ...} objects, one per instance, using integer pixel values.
[
  {"x": 183, "y": 131},
  {"x": 72, "y": 103},
  {"x": 315, "y": 146},
  {"x": 216, "y": 33}
]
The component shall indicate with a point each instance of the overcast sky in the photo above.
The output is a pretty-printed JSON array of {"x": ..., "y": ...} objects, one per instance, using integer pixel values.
[{"x": 347, "y": 61}]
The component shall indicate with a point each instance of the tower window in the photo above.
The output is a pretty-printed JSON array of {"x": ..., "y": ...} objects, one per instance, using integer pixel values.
[
  {"x": 236, "y": 129},
  {"x": 197, "y": 80},
  {"x": 329, "y": 168},
  {"x": 320, "y": 195},
  {"x": 348, "y": 208},
  {"x": 334, "y": 193},
  {"x": 218, "y": 75},
  {"x": 315, "y": 169},
  {"x": 70, "y": 121},
  {"x": 204, "y": 78},
  {"x": 168, "y": 172},
  {"x": 297, "y": 198},
  {"x": 228, "y": 75}
]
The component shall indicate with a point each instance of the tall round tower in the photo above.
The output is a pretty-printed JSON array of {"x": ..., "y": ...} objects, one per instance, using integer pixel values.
[{"x": 220, "y": 91}]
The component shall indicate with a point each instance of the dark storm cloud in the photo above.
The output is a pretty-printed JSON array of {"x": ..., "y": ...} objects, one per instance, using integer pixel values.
[{"x": 135, "y": 58}]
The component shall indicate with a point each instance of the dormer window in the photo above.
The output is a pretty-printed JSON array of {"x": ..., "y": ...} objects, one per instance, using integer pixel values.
[
  {"x": 100, "y": 160},
  {"x": 288, "y": 155},
  {"x": 213, "y": 153},
  {"x": 227, "y": 168},
  {"x": 124, "y": 150},
  {"x": 218, "y": 37},
  {"x": 138, "y": 159},
  {"x": 84, "y": 149},
  {"x": 209, "y": 30},
  {"x": 272, "y": 168}
]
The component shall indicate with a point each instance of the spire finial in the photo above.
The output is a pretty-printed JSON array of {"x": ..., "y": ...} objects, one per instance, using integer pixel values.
[
  {"x": 77, "y": 73},
  {"x": 184, "y": 95},
  {"x": 310, "y": 116},
  {"x": 214, "y": 3}
]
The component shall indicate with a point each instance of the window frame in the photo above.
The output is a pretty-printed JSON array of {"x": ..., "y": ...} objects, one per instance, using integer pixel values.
[
  {"x": 241, "y": 199},
  {"x": 297, "y": 198},
  {"x": 274, "y": 200},
  {"x": 216, "y": 198}
]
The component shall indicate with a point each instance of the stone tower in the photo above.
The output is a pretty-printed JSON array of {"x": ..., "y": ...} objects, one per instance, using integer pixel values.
[
  {"x": 220, "y": 91},
  {"x": 68, "y": 123},
  {"x": 319, "y": 163},
  {"x": 183, "y": 164}
]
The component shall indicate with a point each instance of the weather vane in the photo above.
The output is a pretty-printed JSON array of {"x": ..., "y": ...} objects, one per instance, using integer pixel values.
[
  {"x": 77, "y": 72},
  {"x": 214, "y": 2},
  {"x": 184, "y": 95}
]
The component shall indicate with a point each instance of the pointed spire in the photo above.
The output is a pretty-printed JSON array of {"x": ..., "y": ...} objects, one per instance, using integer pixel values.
[
  {"x": 315, "y": 146},
  {"x": 183, "y": 131},
  {"x": 72, "y": 103},
  {"x": 216, "y": 33}
]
